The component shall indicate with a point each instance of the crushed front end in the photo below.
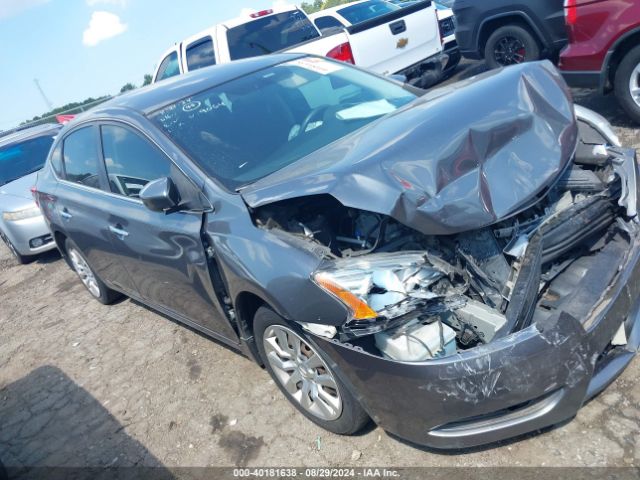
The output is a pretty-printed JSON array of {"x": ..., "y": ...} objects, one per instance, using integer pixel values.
[{"x": 462, "y": 338}]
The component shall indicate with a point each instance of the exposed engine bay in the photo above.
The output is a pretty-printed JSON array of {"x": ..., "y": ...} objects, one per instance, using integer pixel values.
[{"x": 416, "y": 297}]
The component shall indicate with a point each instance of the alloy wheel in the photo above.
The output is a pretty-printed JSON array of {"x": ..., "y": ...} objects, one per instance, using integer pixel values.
[
  {"x": 634, "y": 85},
  {"x": 510, "y": 51},
  {"x": 84, "y": 272},
  {"x": 302, "y": 372}
]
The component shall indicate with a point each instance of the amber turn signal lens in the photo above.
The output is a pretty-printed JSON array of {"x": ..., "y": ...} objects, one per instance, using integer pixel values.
[{"x": 361, "y": 311}]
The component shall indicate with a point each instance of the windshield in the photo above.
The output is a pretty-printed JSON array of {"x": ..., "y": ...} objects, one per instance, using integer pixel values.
[
  {"x": 270, "y": 34},
  {"x": 367, "y": 10},
  {"x": 20, "y": 159},
  {"x": 251, "y": 127}
]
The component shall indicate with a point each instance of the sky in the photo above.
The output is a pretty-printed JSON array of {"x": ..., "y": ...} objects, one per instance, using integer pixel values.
[{"x": 89, "y": 48}]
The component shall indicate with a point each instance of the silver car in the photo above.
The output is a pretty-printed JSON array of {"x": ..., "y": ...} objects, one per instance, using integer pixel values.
[{"x": 22, "y": 155}]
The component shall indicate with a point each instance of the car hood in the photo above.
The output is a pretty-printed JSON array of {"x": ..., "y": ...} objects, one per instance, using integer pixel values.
[
  {"x": 460, "y": 158},
  {"x": 18, "y": 192}
]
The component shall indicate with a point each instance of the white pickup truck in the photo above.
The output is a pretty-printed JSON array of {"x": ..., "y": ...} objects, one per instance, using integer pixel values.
[{"x": 396, "y": 41}]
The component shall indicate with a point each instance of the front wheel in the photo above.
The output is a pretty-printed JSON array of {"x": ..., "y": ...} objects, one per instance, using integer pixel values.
[
  {"x": 511, "y": 45},
  {"x": 304, "y": 377},
  {"x": 627, "y": 84},
  {"x": 89, "y": 279}
]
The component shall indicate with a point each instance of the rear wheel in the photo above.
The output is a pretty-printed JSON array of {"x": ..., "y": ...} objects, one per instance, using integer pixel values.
[
  {"x": 21, "y": 259},
  {"x": 627, "y": 84},
  {"x": 90, "y": 280},
  {"x": 511, "y": 45},
  {"x": 304, "y": 377}
]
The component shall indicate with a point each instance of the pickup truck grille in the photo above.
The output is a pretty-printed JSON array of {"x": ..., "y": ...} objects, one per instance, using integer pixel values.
[{"x": 447, "y": 27}]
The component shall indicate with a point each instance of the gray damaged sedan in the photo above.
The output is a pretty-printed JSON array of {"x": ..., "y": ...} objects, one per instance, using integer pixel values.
[{"x": 460, "y": 267}]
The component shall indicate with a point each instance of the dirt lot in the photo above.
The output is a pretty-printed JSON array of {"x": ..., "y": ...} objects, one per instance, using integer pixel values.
[{"x": 82, "y": 384}]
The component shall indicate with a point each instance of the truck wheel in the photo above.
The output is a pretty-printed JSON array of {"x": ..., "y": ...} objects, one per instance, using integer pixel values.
[
  {"x": 21, "y": 259},
  {"x": 511, "y": 45},
  {"x": 89, "y": 279},
  {"x": 627, "y": 84},
  {"x": 304, "y": 377}
]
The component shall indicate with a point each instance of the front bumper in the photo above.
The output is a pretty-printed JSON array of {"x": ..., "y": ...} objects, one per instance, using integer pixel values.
[
  {"x": 532, "y": 379},
  {"x": 22, "y": 232}
]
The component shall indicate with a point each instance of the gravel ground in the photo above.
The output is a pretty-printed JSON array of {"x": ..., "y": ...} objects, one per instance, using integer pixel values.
[{"x": 82, "y": 384}]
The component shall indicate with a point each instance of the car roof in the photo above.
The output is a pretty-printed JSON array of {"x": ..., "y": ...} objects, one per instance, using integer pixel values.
[
  {"x": 155, "y": 96},
  {"x": 21, "y": 134}
]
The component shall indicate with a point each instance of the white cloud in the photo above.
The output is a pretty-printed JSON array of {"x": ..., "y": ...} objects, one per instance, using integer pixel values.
[
  {"x": 103, "y": 25},
  {"x": 11, "y": 8},
  {"x": 276, "y": 4},
  {"x": 117, "y": 3}
]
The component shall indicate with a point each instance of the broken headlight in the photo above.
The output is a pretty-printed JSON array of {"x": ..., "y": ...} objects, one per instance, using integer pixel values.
[{"x": 380, "y": 287}]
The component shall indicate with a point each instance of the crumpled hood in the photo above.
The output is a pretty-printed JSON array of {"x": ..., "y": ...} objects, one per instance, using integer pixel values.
[{"x": 460, "y": 158}]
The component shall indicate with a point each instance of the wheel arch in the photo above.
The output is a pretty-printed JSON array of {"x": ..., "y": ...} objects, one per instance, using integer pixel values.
[
  {"x": 490, "y": 24},
  {"x": 617, "y": 52}
]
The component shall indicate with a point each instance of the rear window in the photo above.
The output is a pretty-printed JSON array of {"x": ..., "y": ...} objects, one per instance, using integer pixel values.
[
  {"x": 200, "y": 54},
  {"x": 19, "y": 160},
  {"x": 367, "y": 10},
  {"x": 270, "y": 34},
  {"x": 253, "y": 126}
]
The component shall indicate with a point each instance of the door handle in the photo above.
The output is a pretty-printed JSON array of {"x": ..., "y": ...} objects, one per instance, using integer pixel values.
[
  {"x": 398, "y": 27},
  {"x": 65, "y": 214},
  {"x": 119, "y": 232}
]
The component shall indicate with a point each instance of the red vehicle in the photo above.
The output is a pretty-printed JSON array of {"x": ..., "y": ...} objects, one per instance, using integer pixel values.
[{"x": 604, "y": 49}]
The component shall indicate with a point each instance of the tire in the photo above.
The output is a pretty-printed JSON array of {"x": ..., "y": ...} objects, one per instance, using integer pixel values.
[
  {"x": 628, "y": 77},
  {"x": 21, "y": 259},
  {"x": 345, "y": 416},
  {"x": 507, "y": 41},
  {"x": 90, "y": 280}
]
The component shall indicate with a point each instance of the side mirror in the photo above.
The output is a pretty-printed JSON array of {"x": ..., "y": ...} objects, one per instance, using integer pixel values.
[{"x": 160, "y": 195}]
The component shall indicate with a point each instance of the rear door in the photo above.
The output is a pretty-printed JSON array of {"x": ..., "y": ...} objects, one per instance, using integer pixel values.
[
  {"x": 163, "y": 253},
  {"x": 393, "y": 41},
  {"x": 83, "y": 206}
]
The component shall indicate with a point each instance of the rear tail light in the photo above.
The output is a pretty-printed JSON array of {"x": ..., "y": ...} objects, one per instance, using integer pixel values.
[
  {"x": 343, "y": 53},
  {"x": 571, "y": 17},
  {"x": 571, "y": 12},
  {"x": 34, "y": 193},
  {"x": 261, "y": 13}
]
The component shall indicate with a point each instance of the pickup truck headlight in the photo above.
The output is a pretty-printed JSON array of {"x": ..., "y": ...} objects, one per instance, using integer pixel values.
[
  {"x": 379, "y": 287},
  {"x": 23, "y": 214}
]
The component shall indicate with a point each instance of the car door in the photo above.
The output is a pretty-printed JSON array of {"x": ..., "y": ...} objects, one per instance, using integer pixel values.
[
  {"x": 82, "y": 204},
  {"x": 163, "y": 253}
]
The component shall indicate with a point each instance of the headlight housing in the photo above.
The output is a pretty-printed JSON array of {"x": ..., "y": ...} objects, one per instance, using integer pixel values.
[
  {"x": 379, "y": 288},
  {"x": 23, "y": 214}
]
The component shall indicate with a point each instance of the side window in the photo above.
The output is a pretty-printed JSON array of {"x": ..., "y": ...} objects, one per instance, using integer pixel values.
[
  {"x": 56, "y": 161},
  {"x": 80, "y": 155},
  {"x": 169, "y": 67},
  {"x": 131, "y": 161},
  {"x": 200, "y": 54},
  {"x": 325, "y": 23}
]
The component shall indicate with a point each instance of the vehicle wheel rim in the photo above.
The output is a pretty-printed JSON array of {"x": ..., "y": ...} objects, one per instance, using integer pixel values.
[
  {"x": 84, "y": 272},
  {"x": 634, "y": 85},
  {"x": 302, "y": 372},
  {"x": 9, "y": 245},
  {"x": 510, "y": 51}
]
